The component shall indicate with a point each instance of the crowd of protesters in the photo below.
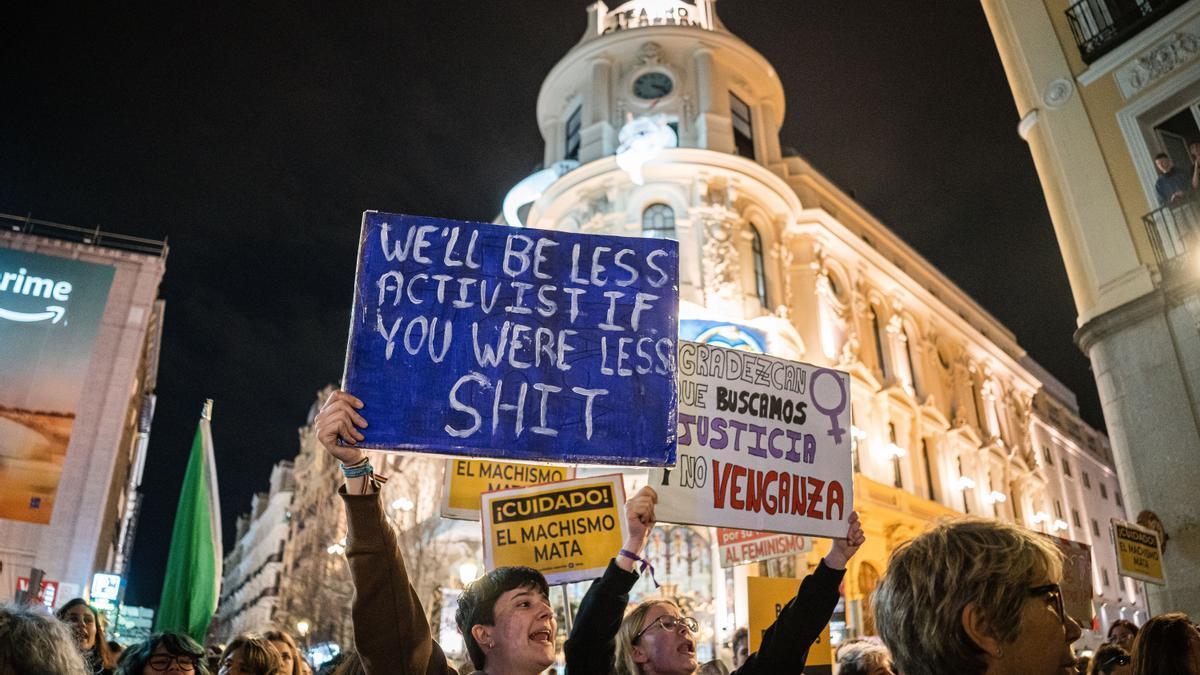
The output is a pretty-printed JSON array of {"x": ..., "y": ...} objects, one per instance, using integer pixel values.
[{"x": 970, "y": 596}]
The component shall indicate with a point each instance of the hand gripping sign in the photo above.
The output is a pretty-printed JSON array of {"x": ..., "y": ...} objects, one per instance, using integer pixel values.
[
  {"x": 764, "y": 444},
  {"x": 568, "y": 531},
  {"x": 480, "y": 340}
]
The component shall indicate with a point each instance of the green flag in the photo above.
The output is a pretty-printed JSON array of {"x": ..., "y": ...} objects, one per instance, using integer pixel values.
[{"x": 193, "y": 580}]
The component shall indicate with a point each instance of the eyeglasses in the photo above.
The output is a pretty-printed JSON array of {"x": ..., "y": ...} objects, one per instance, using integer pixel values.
[
  {"x": 1054, "y": 591},
  {"x": 670, "y": 623},
  {"x": 1116, "y": 660},
  {"x": 162, "y": 662}
]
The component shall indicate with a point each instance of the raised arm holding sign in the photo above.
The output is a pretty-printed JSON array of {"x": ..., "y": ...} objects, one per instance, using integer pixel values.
[
  {"x": 656, "y": 638},
  {"x": 505, "y": 616}
]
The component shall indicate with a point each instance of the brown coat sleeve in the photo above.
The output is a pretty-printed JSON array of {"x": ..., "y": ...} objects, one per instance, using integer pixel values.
[{"x": 390, "y": 629}]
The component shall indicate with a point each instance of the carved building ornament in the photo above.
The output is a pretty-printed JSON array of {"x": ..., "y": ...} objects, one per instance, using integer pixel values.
[
  {"x": 649, "y": 54},
  {"x": 720, "y": 258},
  {"x": 1158, "y": 61},
  {"x": 1058, "y": 92}
]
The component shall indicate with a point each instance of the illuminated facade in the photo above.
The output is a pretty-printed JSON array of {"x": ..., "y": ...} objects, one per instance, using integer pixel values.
[
  {"x": 662, "y": 127},
  {"x": 251, "y": 573},
  {"x": 91, "y": 498},
  {"x": 1101, "y": 88}
]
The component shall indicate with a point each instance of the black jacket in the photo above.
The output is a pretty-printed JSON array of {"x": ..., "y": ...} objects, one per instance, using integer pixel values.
[{"x": 592, "y": 647}]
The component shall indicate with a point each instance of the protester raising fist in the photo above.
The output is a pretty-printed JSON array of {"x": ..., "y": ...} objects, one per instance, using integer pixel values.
[{"x": 844, "y": 549}]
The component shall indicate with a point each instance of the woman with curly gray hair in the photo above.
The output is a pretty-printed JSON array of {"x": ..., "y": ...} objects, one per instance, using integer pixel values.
[
  {"x": 976, "y": 597},
  {"x": 32, "y": 643}
]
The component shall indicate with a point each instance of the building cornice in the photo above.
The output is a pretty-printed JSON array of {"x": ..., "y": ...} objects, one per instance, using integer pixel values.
[{"x": 1104, "y": 325}]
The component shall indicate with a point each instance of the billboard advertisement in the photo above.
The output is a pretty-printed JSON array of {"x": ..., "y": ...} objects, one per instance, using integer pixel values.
[{"x": 50, "y": 311}]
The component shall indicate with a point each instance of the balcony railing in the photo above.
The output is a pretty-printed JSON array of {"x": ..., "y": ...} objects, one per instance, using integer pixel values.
[
  {"x": 1173, "y": 231},
  {"x": 1100, "y": 25}
]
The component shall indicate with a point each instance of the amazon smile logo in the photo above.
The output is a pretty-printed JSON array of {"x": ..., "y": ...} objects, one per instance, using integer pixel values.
[{"x": 21, "y": 283}]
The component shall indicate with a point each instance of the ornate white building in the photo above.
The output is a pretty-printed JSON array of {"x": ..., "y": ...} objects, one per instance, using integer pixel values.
[
  {"x": 252, "y": 571},
  {"x": 662, "y": 123}
]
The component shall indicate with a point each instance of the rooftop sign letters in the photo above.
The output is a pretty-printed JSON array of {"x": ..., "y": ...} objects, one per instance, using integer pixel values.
[{"x": 642, "y": 13}]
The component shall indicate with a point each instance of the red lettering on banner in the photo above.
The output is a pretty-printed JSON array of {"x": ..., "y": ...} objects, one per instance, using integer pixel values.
[
  {"x": 814, "y": 498},
  {"x": 720, "y": 484},
  {"x": 835, "y": 497},
  {"x": 776, "y": 492},
  {"x": 735, "y": 495}
]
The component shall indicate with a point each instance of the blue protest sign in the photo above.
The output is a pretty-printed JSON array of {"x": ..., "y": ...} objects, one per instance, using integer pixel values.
[{"x": 514, "y": 343}]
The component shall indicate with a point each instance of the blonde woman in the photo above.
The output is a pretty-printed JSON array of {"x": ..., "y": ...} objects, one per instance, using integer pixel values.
[
  {"x": 976, "y": 597},
  {"x": 250, "y": 654},
  {"x": 655, "y": 638}
]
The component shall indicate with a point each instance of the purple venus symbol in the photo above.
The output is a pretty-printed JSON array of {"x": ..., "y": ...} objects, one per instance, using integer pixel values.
[{"x": 835, "y": 411}]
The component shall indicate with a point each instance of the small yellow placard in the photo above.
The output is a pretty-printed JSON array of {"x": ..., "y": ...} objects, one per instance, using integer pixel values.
[
  {"x": 568, "y": 531},
  {"x": 467, "y": 479},
  {"x": 1139, "y": 552},
  {"x": 766, "y": 597}
]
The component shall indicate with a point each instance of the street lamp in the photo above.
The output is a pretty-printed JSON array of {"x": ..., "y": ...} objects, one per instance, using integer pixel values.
[
  {"x": 467, "y": 572},
  {"x": 302, "y": 629}
]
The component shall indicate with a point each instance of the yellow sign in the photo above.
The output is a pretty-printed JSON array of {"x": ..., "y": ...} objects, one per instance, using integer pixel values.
[
  {"x": 466, "y": 479},
  {"x": 1139, "y": 552},
  {"x": 766, "y": 598},
  {"x": 568, "y": 530}
]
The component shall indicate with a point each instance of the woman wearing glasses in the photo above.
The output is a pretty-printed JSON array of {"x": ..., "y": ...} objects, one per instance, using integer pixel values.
[
  {"x": 656, "y": 638},
  {"x": 169, "y": 653},
  {"x": 1111, "y": 659},
  {"x": 975, "y": 597}
]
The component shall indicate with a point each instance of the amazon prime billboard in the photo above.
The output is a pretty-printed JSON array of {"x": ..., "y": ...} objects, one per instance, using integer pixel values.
[{"x": 50, "y": 311}]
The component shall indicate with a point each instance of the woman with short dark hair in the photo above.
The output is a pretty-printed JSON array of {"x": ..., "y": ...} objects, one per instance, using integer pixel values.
[
  {"x": 163, "y": 653},
  {"x": 1122, "y": 632},
  {"x": 1110, "y": 659},
  {"x": 85, "y": 624}
]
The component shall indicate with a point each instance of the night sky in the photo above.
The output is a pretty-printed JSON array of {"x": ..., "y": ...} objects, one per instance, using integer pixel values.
[{"x": 252, "y": 135}]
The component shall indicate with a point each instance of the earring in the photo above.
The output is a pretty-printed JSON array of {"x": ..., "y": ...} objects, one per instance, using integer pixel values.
[{"x": 1000, "y": 653}]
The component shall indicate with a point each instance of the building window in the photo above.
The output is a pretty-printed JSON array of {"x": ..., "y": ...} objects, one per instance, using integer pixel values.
[
  {"x": 966, "y": 505},
  {"x": 1117, "y": 496},
  {"x": 1087, "y": 480},
  {"x": 880, "y": 340},
  {"x": 743, "y": 127},
  {"x": 1046, "y": 455},
  {"x": 760, "y": 267},
  {"x": 574, "y": 127},
  {"x": 1104, "y": 573},
  {"x": 910, "y": 335},
  {"x": 1103, "y": 491},
  {"x": 1066, "y": 467},
  {"x": 1058, "y": 509},
  {"x": 1095, "y": 528},
  {"x": 658, "y": 222},
  {"x": 930, "y": 486},
  {"x": 897, "y": 477},
  {"x": 1075, "y": 517}
]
